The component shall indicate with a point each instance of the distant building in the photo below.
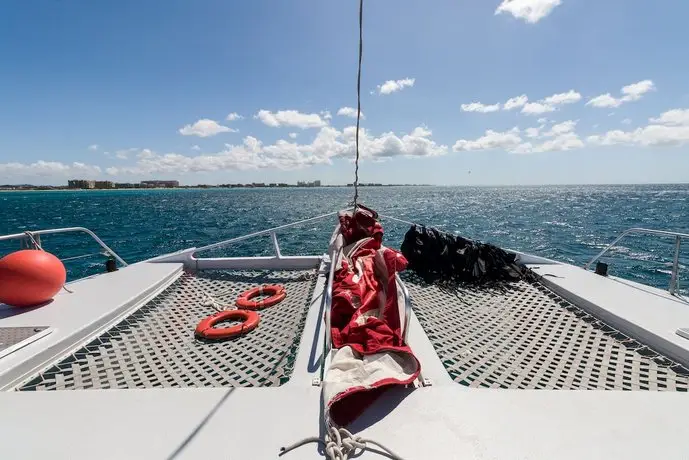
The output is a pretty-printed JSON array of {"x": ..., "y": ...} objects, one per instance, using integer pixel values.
[
  {"x": 315, "y": 183},
  {"x": 160, "y": 183},
  {"x": 104, "y": 184},
  {"x": 81, "y": 183},
  {"x": 126, "y": 185}
]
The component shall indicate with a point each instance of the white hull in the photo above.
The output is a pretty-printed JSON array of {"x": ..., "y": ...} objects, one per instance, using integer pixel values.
[{"x": 438, "y": 418}]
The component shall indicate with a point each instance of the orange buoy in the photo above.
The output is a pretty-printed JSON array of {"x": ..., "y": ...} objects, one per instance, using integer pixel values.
[
  {"x": 205, "y": 329},
  {"x": 30, "y": 277},
  {"x": 276, "y": 292}
]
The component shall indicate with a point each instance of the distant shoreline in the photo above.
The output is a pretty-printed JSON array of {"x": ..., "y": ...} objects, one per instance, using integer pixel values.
[
  {"x": 202, "y": 187},
  {"x": 215, "y": 187}
]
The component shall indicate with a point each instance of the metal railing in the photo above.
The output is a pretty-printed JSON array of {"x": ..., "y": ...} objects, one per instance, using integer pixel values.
[
  {"x": 327, "y": 339},
  {"x": 270, "y": 231},
  {"x": 36, "y": 235},
  {"x": 407, "y": 305},
  {"x": 675, "y": 263}
]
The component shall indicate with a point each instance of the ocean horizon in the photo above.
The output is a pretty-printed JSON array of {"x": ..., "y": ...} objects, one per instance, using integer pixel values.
[{"x": 570, "y": 223}]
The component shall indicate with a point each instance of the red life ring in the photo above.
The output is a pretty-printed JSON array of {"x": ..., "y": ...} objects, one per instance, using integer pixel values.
[
  {"x": 206, "y": 330},
  {"x": 276, "y": 292}
]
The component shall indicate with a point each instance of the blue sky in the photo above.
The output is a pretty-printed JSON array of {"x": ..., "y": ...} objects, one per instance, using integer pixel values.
[{"x": 134, "y": 90}]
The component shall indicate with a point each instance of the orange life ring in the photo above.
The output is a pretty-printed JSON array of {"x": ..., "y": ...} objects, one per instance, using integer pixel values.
[
  {"x": 276, "y": 292},
  {"x": 206, "y": 330}
]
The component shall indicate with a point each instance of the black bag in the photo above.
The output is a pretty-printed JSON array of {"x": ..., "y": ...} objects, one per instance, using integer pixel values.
[{"x": 441, "y": 257}]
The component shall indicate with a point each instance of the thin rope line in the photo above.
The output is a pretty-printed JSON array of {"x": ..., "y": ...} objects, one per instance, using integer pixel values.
[
  {"x": 66, "y": 259},
  {"x": 358, "y": 103},
  {"x": 398, "y": 220}
]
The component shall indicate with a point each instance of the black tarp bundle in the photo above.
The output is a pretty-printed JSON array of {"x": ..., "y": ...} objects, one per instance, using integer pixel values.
[{"x": 439, "y": 257}]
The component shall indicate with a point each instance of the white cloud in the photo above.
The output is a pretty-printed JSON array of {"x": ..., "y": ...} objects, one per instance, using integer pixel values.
[
  {"x": 326, "y": 115},
  {"x": 630, "y": 93},
  {"x": 551, "y": 103},
  {"x": 533, "y": 132},
  {"x": 530, "y": 11},
  {"x": 415, "y": 144},
  {"x": 205, "y": 128},
  {"x": 561, "y": 143},
  {"x": 93, "y": 147},
  {"x": 561, "y": 137},
  {"x": 675, "y": 117},
  {"x": 478, "y": 107},
  {"x": 604, "y": 101},
  {"x": 634, "y": 91},
  {"x": 555, "y": 131},
  {"x": 47, "y": 169},
  {"x": 626, "y": 121},
  {"x": 515, "y": 102},
  {"x": 349, "y": 112},
  {"x": 561, "y": 128},
  {"x": 145, "y": 153},
  {"x": 195, "y": 148},
  {"x": 328, "y": 144},
  {"x": 490, "y": 141},
  {"x": 546, "y": 105},
  {"x": 669, "y": 130},
  {"x": 570, "y": 97},
  {"x": 293, "y": 135},
  {"x": 233, "y": 116},
  {"x": 542, "y": 121},
  {"x": 290, "y": 118},
  {"x": 537, "y": 108},
  {"x": 392, "y": 86}
]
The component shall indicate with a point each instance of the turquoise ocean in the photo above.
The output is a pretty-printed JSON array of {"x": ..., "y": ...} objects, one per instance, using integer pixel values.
[{"x": 567, "y": 223}]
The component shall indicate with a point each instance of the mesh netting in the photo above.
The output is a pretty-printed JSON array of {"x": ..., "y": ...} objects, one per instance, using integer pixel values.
[
  {"x": 529, "y": 337},
  {"x": 155, "y": 346}
]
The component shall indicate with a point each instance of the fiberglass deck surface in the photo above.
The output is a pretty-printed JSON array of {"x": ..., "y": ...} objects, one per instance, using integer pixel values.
[
  {"x": 155, "y": 345},
  {"x": 528, "y": 337}
]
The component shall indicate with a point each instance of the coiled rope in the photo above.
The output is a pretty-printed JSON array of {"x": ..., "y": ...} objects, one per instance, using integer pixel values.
[{"x": 340, "y": 444}]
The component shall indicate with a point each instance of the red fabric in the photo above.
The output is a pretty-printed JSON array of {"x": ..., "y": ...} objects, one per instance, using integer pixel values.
[
  {"x": 363, "y": 224},
  {"x": 365, "y": 285}
]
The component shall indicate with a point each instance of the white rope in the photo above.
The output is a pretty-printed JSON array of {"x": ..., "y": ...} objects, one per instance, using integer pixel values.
[
  {"x": 340, "y": 444},
  {"x": 35, "y": 243},
  {"x": 396, "y": 219},
  {"x": 212, "y": 300},
  {"x": 38, "y": 246},
  {"x": 83, "y": 256}
]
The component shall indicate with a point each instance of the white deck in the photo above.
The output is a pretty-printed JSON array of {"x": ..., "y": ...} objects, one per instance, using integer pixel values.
[
  {"x": 445, "y": 420},
  {"x": 648, "y": 314},
  {"x": 432, "y": 423},
  {"x": 93, "y": 304}
]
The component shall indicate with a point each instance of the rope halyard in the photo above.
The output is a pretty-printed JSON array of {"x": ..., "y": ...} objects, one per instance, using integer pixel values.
[
  {"x": 339, "y": 443},
  {"x": 358, "y": 103}
]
